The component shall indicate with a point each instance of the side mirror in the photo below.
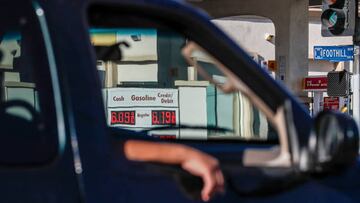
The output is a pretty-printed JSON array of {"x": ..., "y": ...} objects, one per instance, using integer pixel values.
[{"x": 334, "y": 143}]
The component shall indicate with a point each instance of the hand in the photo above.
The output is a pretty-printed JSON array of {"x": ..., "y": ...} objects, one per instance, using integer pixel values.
[
  {"x": 207, "y": 167},
  {"x": 194, "y": 161}
]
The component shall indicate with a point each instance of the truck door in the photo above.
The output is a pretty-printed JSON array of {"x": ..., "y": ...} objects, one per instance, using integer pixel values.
[{"x": 161, "y": 69}]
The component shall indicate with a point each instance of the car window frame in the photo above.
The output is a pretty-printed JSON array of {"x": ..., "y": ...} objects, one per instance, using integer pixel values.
[
  {"x": 272, "y": 94},
  {"x": 153, "y": 24}
]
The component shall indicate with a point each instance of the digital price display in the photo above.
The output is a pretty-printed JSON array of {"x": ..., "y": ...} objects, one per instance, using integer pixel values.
[
  {"x": 123, "y": 117},
  {"x": 165, "y": 137},
  {"x": 163, "y": 117}
]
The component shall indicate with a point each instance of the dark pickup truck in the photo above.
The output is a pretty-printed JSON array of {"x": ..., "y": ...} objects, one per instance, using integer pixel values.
[{"x": 78, "y": 77}]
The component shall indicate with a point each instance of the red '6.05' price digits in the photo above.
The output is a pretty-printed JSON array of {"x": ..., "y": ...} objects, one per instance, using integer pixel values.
[
  {"x": 163, "y": 117},
  {"x": 123, "y": 117}
]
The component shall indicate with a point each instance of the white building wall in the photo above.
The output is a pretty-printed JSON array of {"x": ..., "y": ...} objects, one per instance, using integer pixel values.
[{"x": 250, "y": 33}]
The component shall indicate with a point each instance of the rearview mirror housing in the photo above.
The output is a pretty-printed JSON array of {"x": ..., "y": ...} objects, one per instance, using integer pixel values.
[{"x": 334, "y": 143}]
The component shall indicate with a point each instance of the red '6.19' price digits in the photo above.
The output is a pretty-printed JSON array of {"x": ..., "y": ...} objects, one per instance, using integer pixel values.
[
  {"x": 163, "y": 117},
  {"x": 123, "y": 117}
]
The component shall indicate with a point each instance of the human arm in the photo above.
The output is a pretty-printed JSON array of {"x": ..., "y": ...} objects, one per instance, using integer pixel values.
[{"x": 190, "y": 159}]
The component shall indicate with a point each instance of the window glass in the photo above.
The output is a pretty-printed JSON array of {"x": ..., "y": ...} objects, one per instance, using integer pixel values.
[
  {"x": 255, "y": 34},
  {"x": 26, "y": 102},
  {"x": 17, "y": 75},
  {"x": 148, "y": 84}
]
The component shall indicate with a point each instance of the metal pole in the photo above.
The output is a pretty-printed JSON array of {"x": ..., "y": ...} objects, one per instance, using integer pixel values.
[
  {"x": 356, "y": 86},
  {"x": 356, "y": 76}
]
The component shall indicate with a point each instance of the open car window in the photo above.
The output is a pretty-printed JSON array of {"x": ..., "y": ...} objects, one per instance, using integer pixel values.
[{"x": 149, "y": 85}]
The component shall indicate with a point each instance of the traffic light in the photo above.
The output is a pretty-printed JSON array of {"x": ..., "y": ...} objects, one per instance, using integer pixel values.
[{"x": 338, "y": 17}]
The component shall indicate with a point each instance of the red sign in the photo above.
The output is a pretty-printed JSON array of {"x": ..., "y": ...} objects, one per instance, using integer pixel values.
[
  {"x": 272, "y": 65},
  {"x": 318, "y": 83},
  {"x": 331, "y": 103}
]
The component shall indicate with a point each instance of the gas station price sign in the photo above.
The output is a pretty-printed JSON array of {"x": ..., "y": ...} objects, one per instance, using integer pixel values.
[
  {"x": 163, "y": 117},
  {"x": 142, "y": 107}
]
